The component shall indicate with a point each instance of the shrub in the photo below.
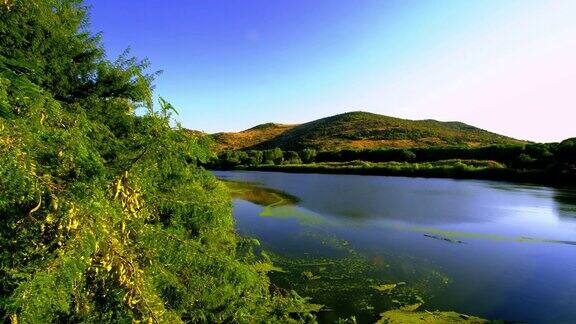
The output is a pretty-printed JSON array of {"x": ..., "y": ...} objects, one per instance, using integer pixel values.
[
  {"x": 308, "y": 155},
  {"x": 291, "y": 157},
  {"x": 106, "y": 214},
  {"x": 273, "y": 156}
]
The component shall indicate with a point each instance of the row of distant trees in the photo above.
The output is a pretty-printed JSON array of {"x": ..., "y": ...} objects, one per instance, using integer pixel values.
[
  {"x": 534, "y": 155},
  {"x": 273, "y": 156},
  {"x": 529, "y": 156}
]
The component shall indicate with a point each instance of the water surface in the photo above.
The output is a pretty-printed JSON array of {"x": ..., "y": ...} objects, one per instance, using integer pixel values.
[{"x": 362, "y": 245}]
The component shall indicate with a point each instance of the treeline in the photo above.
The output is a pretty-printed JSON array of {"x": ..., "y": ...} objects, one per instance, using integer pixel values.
[
  {"x": 230, "y": 159},
  {"x": 529, "y": 156}
]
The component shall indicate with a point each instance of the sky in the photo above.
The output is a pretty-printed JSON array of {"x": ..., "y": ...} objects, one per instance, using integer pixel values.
[{"x": 505, "y": 66}]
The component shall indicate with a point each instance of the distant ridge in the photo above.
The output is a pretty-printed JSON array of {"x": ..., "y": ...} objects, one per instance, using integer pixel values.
[
  {"x": 358, "y": 130},
  {"x": 250, "y": 137}
]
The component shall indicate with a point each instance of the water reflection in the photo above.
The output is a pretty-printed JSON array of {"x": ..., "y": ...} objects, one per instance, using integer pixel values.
[
  {"x": 419, "y": 201},
  {"x": 566, "y": 203},
  {"x": 497, "y": 250}
]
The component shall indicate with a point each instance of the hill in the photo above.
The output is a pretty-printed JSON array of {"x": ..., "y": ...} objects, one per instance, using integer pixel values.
[
  {"x": 250, "y": 137},
  {"x": 359, "y": 130}
]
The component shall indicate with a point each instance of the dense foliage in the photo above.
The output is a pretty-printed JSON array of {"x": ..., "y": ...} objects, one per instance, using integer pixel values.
[
  {"x": 552, "y": 162},
  {"x": 230, "y": 159},
  {"x": 516, "y": 156},
  {"x": 530, "y": 156},
  {"x": 105, "y": 214}
]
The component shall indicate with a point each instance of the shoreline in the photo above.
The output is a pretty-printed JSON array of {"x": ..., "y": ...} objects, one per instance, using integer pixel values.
[{"x": 529, "y": 177}]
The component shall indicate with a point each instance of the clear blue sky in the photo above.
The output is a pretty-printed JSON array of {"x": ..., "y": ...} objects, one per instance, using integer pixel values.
[{"x": 507, "y": 66}]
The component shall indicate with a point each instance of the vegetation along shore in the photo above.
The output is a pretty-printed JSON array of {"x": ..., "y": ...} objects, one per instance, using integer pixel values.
[{"x": 553, "y": 163}]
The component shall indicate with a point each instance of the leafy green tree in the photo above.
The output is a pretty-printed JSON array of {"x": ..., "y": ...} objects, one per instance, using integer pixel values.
[
  {"x": 230, "y": 159},
  {"x": 292, "y": 157},
  {"x": 407, "y": 155},
  {"x": 567, "y": 150},
  {"x": 255, "y": 157},
  {"x": 106, "y": 215},
  {"x": 308, "y": 155},
  {"x": 525, "y": 161},
  {"x": 273, "y": 156}
]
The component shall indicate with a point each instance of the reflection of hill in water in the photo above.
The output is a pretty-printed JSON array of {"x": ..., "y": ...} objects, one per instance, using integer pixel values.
[
  {"x": 417, "y": 201},
  {"x": 262, "y": 196},
  {"x": 411, "y": 200},
  {"x": 564, "y": 198}
]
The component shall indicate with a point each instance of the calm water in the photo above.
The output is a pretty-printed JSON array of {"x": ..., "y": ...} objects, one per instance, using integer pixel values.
[{"x": 491, "y": 249}]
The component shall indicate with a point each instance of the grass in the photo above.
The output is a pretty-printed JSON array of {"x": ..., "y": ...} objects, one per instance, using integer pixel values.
[{"x": 454, "y": 169}]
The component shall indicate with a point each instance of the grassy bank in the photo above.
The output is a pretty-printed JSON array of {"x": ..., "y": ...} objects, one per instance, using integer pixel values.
[
  {"x": 456, "y": 169},
  {"x": 550, "y": 163}
]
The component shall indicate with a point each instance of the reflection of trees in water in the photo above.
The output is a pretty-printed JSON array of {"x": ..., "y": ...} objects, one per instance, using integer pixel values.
[
  {"x": 565, "y": 202},
  {"x": 565, "y": 198}
]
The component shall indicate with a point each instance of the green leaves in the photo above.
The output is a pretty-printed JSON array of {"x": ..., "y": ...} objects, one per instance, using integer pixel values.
[
  {"x": 105, "y": 214},
  {"x": 166, "y": 108}
]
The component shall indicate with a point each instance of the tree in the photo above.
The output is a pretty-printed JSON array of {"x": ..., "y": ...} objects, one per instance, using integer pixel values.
[
  {"x": 229, "y": 159},
  {"x": 105, "y": 214},
  {"x": 255, "y": 157},
  {"x": 567, "y": 150},
  {"x": 273, "y": 156},
  {"x": 407, "y": 155},
  {"x": 291, "y": 157},
  {"x": 308, "y": 155}
]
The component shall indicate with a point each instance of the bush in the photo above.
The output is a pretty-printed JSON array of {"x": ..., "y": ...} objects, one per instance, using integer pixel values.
[
  {"x": 292, "y": 157},
  {"x": 106, "y": 214},
  {"x": 308, "y": 155},
  {"x": 567, "y": 151},
  {"x": 273, "y": 156},
  {"x": 255, "y": 157}
]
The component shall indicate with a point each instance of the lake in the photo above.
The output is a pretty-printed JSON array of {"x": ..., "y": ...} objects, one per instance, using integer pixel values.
[{"x": 361, "y": 245}]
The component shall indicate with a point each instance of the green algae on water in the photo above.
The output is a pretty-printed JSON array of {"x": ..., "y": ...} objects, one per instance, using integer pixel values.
[
  {"x": 276, "y": 203},
  {"x": 399, "y": 316},
  {"x": 387, "y": 288}
]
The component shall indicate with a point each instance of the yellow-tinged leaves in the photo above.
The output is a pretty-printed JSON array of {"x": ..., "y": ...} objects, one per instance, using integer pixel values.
[
  {"x": 49, "y": 218},
  {"x": 35, "y": 209},
  {"x": 129, "y": 197},
  {"x": 53, "y": 202},
  {"x": 8, "y": 4},
  {"x": 72, "y": 224},
  {"x": 118, "y": 188}
]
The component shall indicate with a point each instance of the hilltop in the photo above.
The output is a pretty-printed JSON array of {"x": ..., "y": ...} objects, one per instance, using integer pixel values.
[
  {"x": 359, "y": 130},
  {"x": 250, "y": 137}
]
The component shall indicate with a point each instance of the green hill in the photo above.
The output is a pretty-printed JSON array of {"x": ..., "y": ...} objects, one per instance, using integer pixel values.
[
  {"x": 359, "y": 130},
  {"x": 250, "y": 137}
]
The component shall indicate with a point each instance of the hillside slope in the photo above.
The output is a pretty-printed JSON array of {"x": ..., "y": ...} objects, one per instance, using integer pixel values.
[
  {"x": 357, "y": 130},
  {"x": 249, "y": 137}
]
